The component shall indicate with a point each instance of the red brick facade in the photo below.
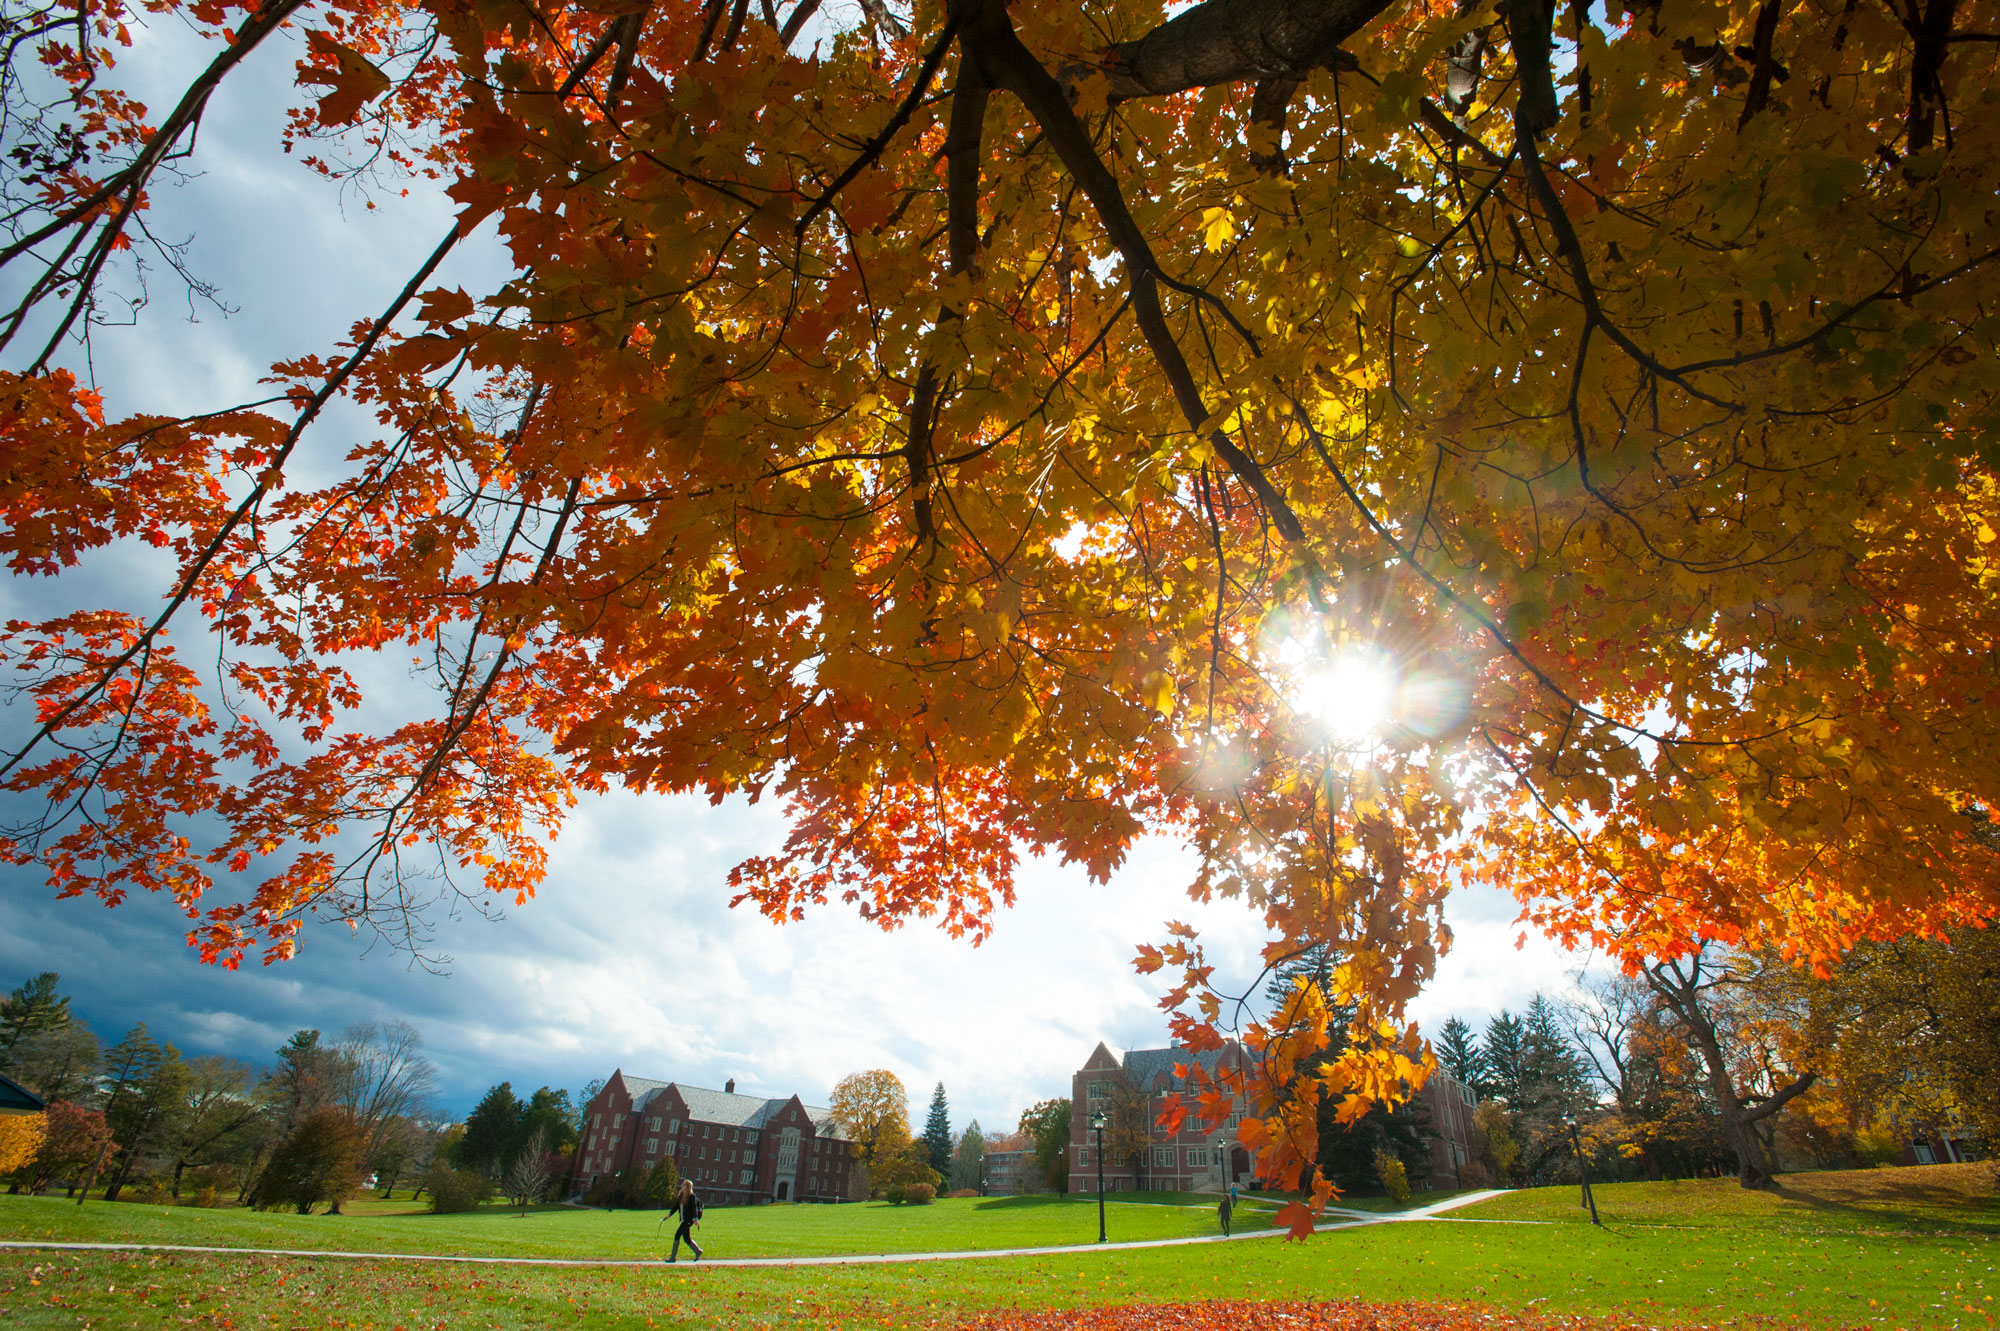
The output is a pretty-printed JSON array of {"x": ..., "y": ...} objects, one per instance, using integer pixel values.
[
  {"x": 1195, "y": 1159},
  {"x": 738, "y": 1149}
]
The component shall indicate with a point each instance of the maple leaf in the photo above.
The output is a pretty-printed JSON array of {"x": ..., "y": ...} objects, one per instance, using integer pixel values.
[{"x": 354, "y": 78}]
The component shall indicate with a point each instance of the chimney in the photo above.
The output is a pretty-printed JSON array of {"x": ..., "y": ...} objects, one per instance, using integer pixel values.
[{"x": 729, "y": 1087}]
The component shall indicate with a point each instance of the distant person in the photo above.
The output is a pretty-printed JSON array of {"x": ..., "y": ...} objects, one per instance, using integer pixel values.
[
  {"x": 1225, "y": 1209},
  {"x": 688, "y": 1207}
]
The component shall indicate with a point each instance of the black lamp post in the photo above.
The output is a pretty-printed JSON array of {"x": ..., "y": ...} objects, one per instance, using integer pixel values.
[
  {"x": 1097, "y": 1126},
  {"x": 1582, "y": 1171}
]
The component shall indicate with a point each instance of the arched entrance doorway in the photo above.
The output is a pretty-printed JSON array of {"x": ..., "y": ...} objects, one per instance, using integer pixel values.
[
  {"x": 784, "y": 1190},
  {"x": 1239, "y": 1164}
]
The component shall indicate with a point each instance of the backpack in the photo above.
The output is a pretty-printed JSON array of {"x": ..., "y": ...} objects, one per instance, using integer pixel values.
[{"x": 694, "y": 1209}]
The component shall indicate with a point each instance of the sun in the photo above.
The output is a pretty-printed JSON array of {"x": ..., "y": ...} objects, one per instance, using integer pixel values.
[{"x": 1353, "y": 696}]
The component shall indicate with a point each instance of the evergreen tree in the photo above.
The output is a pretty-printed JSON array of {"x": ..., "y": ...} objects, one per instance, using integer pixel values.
[
  {"x": 1315, "y": 964},
  {"x": 548, "y": 1112},
  {"x": 1554, "y": 1079},
  {"x": 1458, "y": 1050},
  {"x": 489, "y": 1131},
  {"x": 937, "y": 1137},
  {"x": 968, "y": 1162},
  {"x": 30, "y": 1010},
  {"x": 298, "y": 1085},
  {"x": 1506, "y": 1048}
]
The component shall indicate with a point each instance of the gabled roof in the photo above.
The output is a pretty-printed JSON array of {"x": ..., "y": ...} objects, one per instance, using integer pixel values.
[
  {"x": 726, "y": 1107},
  {"x": 1146, "y": 1066},
  {"x": 18, "y": 1099}
]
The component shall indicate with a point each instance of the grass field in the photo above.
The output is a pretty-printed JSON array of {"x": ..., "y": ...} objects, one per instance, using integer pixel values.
[
  {"x": 1888, "y": 1248},
  {"x": 562, "y": 1231}
]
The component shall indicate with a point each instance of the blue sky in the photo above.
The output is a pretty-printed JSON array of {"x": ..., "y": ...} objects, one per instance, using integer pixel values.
[{"x": 630, "y": 956}]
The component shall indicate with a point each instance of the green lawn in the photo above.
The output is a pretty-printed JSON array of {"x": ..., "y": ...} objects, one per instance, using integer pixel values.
[
  {"x": 561, "y": 1231},
  {"x": 1831, "y": 1251}
]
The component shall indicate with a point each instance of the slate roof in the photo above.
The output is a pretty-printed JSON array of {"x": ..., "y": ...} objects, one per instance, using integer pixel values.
[
  {"x": 18, "y": 1099},
  {"x": 1143, "y": 1066},
  {"x": 726, "y": 1107}
]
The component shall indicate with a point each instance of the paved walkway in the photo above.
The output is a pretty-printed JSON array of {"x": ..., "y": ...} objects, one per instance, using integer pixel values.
[{"x": 1352, "y": 1220}]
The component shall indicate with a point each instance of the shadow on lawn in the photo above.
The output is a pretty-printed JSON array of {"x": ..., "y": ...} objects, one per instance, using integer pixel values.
[{"x": 1981, "y": 1216}]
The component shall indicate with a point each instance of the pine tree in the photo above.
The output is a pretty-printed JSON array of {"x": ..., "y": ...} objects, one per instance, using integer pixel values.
[
  {"x": 1553, "y": 1077},
  {"x": 937, "y": 1137},
  {"x": 30, "y": 1010},
  {"x": 489, "y": 1131},
  {"x": 1505, "y": 1047},
  {"x": 1458, "y": 1050}
]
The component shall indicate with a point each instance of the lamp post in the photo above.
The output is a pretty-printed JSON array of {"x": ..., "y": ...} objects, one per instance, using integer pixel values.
[
  {"x": 1097, "y": 1126},
  {"x": 1582, "y": 1170}
]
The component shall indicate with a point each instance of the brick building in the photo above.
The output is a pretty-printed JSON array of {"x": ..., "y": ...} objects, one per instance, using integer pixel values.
[
  {"x": 1197, "y": 1159},
  {"x": 1194, "y": 1159},
  {"x": 738, "y": 1149},
  {"x": 1451, "y": 1104}
]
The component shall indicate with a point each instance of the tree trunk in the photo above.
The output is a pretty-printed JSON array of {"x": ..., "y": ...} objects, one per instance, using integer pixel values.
[
  {"x": 179, "y": 1165},
  {"x": 250, "y": 1174},
  {"x": 1683, "y": 994}
]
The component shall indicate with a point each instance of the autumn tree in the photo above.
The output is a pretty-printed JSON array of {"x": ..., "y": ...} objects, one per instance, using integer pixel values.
[
  {"x": 1385, "y": 444},
  {"x": 1904, "y": 1029},
  {"x": 73, "y": 1140},
  {"x": 21, "y": 1138},
  {"x": 873, "y": 1111},
  {"x": 1129, "y": 1132},
  {"x": 1702, "y": 991},
  {"x": 1046, "y": 1125}
]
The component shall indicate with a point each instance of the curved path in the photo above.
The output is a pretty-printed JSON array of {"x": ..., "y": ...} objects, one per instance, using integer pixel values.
[{"x": 1350, "y": 1220}]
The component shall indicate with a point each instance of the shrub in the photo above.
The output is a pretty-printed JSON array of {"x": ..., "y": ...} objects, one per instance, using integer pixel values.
[
  {"x": 920, "y": 1194},
  {"x": 319, "y": 1162},
  {"x": 210, "y": 1197},
  {"x": 454, "y": 1190},
  {"x": 956, "y": 1193},
  {"x": 1395, "y": 1179}
]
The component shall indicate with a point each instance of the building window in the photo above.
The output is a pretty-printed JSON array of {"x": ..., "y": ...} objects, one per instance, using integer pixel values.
[
  {"x": 746, "y": 1177},
  {"x": 1099, "y": 1090},
  {"x": 1163, "y": 1157},
  {"x": 751, "y": 1137},
  {"x": 1083, "y": 1157},
  {"x": 652, "y": 1146},
  {"x": 617, "y": 1120},
  {"x": 1197, "y": 1157},
  {"x": 670, "y": 1146},
  {"x": 749, "y": 1157},
  {"x": 673, "y": 1125}
]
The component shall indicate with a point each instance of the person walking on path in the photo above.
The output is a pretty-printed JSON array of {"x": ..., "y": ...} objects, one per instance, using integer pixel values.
[
  {"x": 688, "y": 1207},
  {"x": 1226, "y": 1208}
]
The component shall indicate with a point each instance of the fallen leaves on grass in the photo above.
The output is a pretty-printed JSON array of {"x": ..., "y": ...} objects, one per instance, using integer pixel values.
[{"x": 1246, "y": 1315}]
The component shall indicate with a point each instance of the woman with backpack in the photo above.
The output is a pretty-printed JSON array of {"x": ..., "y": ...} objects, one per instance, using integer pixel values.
[{"x": 688, "y": 1207}]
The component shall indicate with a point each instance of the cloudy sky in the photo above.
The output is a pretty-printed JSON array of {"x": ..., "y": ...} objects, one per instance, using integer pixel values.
[{"x": 630, "y": 957}]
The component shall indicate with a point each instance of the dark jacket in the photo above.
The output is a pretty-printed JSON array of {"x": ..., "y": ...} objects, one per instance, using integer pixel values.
[{"x": 689, "y": 1211}]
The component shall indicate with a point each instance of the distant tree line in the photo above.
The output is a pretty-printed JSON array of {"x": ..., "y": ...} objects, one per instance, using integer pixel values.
[
  {"x": 139, "y": 1120},
  {"x": 1724, "y": 1062}
]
